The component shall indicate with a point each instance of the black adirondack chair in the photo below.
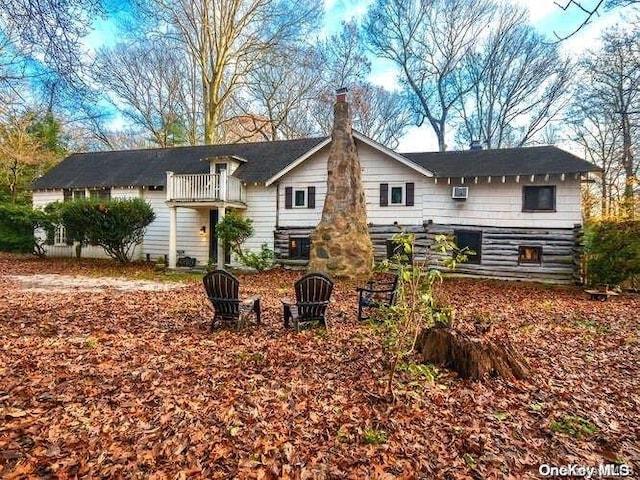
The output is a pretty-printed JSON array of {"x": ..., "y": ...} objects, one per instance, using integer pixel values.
[
  {"x": 313, "y": 292},
  {"x": 222, "y": 290},
  {"x": 379, "y": 292}
]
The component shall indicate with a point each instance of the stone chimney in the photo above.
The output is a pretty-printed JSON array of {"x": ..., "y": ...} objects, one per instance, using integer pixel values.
[{"x": 340, "y": 244}]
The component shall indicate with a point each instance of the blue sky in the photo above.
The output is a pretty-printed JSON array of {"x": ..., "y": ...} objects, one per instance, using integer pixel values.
[{"x": 546, "y": 15}]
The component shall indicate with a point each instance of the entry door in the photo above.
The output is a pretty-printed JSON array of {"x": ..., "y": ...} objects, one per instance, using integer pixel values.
[{"x": 213, "y": 239}]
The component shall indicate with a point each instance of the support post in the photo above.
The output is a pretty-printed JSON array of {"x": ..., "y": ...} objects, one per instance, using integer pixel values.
[
  {"x": 173, "y": 236},
  {"x": 223, "y": 185},
  {"x": 221, "y": 213}
]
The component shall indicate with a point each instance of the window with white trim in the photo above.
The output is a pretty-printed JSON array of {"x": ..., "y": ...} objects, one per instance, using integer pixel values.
[
  {"x": 59, "y": 235},
  {"x": 300, "y": 198},
  {"x": 396, "y": 195}
]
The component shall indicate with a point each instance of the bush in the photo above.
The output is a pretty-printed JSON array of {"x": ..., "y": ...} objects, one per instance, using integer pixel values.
[
  {"x": 261, "y": 261},
  {"x": 115, "y": 225},
  {"x": 234, "y": 230},
  {"x": 17, "y": 226},
  {"x": 613, "y": 252}
]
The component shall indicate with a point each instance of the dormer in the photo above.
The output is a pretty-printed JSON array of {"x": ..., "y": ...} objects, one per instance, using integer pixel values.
[{"x": 224, "y": 162}]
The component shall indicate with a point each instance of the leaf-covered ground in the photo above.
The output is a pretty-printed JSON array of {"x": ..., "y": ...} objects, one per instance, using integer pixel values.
[{"x": 110, "y": 383}]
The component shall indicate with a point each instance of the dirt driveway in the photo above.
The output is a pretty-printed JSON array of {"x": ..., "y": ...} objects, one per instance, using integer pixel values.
[{"x": 66, "y": 283}]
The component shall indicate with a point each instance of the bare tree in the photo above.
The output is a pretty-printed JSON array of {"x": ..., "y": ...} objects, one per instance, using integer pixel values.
[
  {"x": 281, "y": 90},
  {"x": 151, "y": 85},
  {"x": 519, "y": 83},
  {"x": 227, "y": 39},
  {"x": 428, "y": 41},
  {"x": 50, "y": 30},
  {"x": 589, "y": 11},
  {"x": 609, "y": 111}
]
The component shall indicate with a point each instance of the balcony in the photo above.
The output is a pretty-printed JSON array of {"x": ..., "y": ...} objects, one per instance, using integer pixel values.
[{"x": 204, "y": 188}]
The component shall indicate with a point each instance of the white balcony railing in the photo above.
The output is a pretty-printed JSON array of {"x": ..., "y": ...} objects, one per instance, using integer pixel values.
[{"x": 204, "y": 187}]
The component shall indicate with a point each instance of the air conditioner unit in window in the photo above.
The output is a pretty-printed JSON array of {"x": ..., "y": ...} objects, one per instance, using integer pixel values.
[{"x": 460, "y": 193}]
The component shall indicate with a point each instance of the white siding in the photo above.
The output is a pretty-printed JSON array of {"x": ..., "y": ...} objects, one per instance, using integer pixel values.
[
  {"x": 44, "y": 197},
  {"x": 378, "y": 168},
  {"x": 500, "y": 204},
  {"x": 311, "y": 173},
  {"x": 156, "y": 241},
  {"x": 125, "y": 193},
  {"x": 489, "y": 204},
  {"x": 261, "y": 208}
]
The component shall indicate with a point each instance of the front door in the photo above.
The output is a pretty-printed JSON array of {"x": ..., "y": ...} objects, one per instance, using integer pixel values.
[{"x": 213, "y": 239}]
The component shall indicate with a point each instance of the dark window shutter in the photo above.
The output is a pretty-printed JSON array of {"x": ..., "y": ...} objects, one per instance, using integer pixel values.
[
  {"x": 384, "y": 194},
  {"x": 311, "y": 197},
  {"x": 288, "y": 197},
  {"x": 410, "y": 189}
]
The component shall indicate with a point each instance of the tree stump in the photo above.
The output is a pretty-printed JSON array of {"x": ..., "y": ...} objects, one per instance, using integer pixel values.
[{"x": 474, "y": 358}]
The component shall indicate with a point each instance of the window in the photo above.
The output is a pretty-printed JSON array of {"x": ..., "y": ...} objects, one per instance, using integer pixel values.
[
  {"x": 469, "y": 241},
  {"x": 530, "y": 255},
  {"x": 393, "y": 249},
  {"x": 220, "y": 167},
  {"x": 100, "y": 193},
  {"x": 74, "y": 194},
  {"x": 299, "y": 248},
  {"x": 59, "y": 235},
  {"x": 539, "y": 198},
  {"x": 299, "y": 198},
  {"x": 397, "y": 194}
]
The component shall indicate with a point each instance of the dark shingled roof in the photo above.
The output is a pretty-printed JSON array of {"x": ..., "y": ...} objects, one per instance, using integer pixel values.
[
  {"x": 148, "y": 167},
  {"x": 507, "y": 161}
]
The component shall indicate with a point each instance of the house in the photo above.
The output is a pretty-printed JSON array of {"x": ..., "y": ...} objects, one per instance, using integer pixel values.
[{"x": 517, "y": 209}]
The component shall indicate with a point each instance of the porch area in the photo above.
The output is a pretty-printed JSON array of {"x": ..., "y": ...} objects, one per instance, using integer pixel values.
[{"x": 215, "y": 193}]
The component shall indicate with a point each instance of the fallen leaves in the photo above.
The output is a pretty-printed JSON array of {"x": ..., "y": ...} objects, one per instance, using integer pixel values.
[{"x": 119, "y": 383}]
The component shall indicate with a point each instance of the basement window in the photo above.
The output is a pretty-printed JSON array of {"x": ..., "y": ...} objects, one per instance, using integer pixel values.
[
  {"x": 469, "y": 241},
  {"x": 530, "y": 255},
  {"x": 299, "y": 248},
  {"x": 395, "y": 249}
]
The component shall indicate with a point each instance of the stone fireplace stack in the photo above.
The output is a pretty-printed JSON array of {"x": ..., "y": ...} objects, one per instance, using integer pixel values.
[{"x": 340, "y": 244}]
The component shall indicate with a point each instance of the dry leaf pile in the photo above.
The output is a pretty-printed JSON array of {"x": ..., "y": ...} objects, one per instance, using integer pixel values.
[{"x": 115, "y": 383}]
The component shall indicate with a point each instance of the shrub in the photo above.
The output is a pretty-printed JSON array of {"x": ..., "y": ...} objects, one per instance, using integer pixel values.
[
  {"x": 115, "y": 225},
  {"x": 613, "y": 251},
  {"x": 17, "y": 227},
  {"x": 415, "y": 306},
  {"x": 261, "y": 261},
  {"x": 234, "y": 230}
]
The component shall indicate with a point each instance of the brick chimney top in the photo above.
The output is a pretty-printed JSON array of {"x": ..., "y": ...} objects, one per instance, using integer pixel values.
[{"x": 341, "y": 95}]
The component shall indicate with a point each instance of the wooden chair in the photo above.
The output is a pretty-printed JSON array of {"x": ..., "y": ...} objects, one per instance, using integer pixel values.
[
  {"x": 313, "y": 292},
  {"x": 222, "y": 290},
  {"x": 380, "y": 292}
]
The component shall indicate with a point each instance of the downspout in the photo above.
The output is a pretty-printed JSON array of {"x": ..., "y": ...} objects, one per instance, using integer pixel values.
[{"x": 277, "y": 204}]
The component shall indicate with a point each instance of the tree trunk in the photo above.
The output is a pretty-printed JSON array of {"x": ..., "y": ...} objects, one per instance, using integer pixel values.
[{"x": 473, "y": 358}]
